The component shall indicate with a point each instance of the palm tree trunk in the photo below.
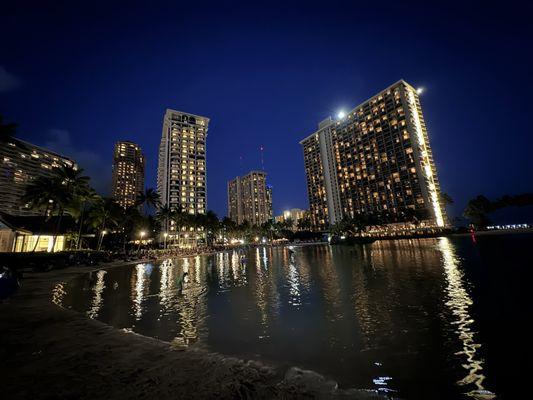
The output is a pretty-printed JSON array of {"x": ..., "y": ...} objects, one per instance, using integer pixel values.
[
  {"x": 78, "y": 244},
  {"x": 60, "y": 217},
  {"x": 41, "y": 227}
]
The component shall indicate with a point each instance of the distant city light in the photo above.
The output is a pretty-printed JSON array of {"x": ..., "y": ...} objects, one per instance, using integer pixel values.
[
  {"x": 341, "y": 114},
  {"x": 420, "y": 90}
]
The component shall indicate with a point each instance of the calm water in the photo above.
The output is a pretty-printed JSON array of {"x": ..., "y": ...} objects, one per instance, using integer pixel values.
[{"x": 418, "y": 319}]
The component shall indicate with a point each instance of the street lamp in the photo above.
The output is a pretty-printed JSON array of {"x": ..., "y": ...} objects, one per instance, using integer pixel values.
[
  {"x": 165, "y": 236},
  {"x": 101, "y": 239},
  {"x": 141, "y": 234}
]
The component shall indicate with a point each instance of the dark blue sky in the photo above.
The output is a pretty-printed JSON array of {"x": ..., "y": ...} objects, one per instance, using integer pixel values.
[{"x": 78, "y": 76}]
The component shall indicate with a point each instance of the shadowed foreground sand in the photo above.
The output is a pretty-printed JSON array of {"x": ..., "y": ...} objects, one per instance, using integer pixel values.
[{"x": 48, "y": 352}]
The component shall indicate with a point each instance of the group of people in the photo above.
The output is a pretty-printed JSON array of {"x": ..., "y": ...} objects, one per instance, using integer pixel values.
[{"x": 176, "y": 252}]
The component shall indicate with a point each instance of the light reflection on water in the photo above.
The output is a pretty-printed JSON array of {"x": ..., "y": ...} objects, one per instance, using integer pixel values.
[
  {"x": 368, "y": 316},
  {"x": 99, "y": 287},
  {"x": 459, "y": 302}
]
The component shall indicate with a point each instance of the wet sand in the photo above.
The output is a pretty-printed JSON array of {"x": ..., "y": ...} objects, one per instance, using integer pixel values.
[{"x": 48, "y": 352}]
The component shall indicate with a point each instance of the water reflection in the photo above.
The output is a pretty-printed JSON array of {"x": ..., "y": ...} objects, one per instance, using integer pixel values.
[
  {"x": 261, "y": 292},
  {"x": 138, "y": 290},
  {"x": 58, "y": 293},
  {"x": 97, "y": 298},
  {"x": 294, "y": 283},
  {"x": 166, "y": 289},
  {"x": 392, "y": 316},
  {"x": 459, "y": 302}
]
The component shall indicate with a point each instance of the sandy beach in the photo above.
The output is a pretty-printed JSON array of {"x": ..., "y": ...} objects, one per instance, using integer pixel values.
[{"x": 49, "y": 352}]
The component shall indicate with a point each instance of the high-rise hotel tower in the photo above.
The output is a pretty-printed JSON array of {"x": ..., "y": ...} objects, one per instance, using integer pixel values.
[
  {"x": 250, "y": 199},
  {"x": 181, "y": 173},
  {"x": 128, "y": 173},
  {"x": 374, "y": 159}
]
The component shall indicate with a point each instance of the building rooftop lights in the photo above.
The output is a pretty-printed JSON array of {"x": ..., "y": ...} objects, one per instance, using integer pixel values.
[
  {"x": 420, "y": 90},
  {"x": 341, "y": 114}
]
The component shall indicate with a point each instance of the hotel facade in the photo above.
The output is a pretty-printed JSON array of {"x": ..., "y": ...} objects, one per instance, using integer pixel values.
[
  {"x": 376, "y": 159},
  {"x": 20, "y": 163},
  {"x": 250, "y": 199},
  {"x": 181, "y": 172},
  {"x": 128, "y": 173}
]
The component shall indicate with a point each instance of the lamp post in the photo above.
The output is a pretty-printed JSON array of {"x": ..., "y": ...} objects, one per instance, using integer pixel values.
[
  {"x": 165, "y": 236},
  {"x": 141, "y": 235},
  {"x": 102, "y": 234}
]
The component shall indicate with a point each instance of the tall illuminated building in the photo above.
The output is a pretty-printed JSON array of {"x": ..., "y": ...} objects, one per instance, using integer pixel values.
[
  {"x": 128, "y": 173},
  {"x": 181, "y": 173},
  {"x": 374, "y": 159},
  {"x": 20, "y": 163},
  {"x": 250, "y": 199}
]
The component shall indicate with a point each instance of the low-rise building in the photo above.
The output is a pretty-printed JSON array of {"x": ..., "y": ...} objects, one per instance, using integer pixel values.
[
  {"x": 27, "y": 233},
  {"x": 294, "y": 215}
]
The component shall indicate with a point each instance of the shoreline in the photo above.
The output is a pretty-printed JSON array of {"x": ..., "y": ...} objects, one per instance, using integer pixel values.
[{"x": 51, "y": 352}]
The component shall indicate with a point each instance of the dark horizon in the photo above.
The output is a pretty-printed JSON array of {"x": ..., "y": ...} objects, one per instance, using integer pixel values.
[{"x": 78, "y": 78}]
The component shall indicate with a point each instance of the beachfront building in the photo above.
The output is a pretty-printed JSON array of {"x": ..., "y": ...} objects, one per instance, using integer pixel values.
[
  {"x": 20, "y": 163},
  {"x": 29, "y": 233},
  {"x": 250, "y": 199},
  {"x": 128, "y": 173},
  {"x": 374, "y": 159},
  {"x": 181, "y": 172}
]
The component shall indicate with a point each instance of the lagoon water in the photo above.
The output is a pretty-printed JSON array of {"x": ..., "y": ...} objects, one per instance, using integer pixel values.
[{"x": 432, "y": 318}]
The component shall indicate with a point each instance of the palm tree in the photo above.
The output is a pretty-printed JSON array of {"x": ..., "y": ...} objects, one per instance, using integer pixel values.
[
  {"x": 445, "y": 199},
  {"x": 7, "y": 131},
  {"x": 149, "y": 199},
  {"x": 77, "y": 185},
  {"x": 477, "y": 211},
  {"x": 304, "y": 224},
  {"x": 130, "y": 220},
  {"x": 228, "y": 227},
  {"x": 180, "y": 220},
  {"x": 78, "y": 209},
  {"x": 268, "y": 228},
  {"x": 104, "y": 214},
  {"x": 210, "y": 223},
  {"x": 43, "y": 193},
  {"x": 163, "y": 215}
]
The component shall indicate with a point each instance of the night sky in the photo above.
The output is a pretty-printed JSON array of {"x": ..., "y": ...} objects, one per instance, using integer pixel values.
[{"x": 78, "y": 76}]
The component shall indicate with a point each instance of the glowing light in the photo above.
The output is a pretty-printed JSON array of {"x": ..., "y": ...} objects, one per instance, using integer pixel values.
[
  {"x": 420, "y": 90},
  {"x": 425, "y": 161},
  {"x": 341, "y": 114},
  {"x": 142, "y": 233}
]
